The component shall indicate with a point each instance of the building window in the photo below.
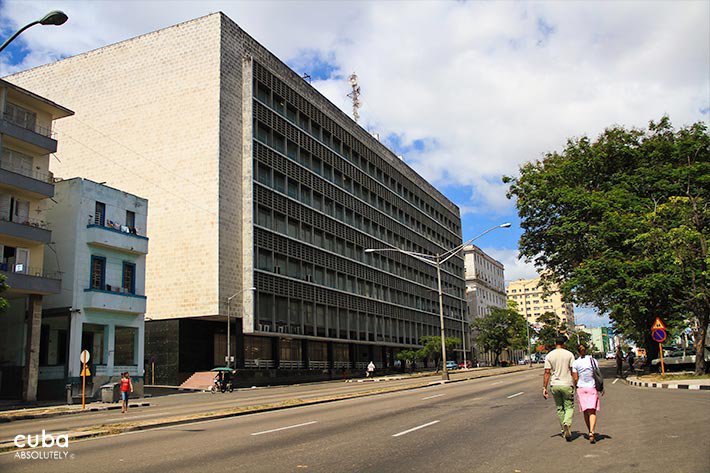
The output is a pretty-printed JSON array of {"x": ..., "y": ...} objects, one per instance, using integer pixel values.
[
  {"x": 130, "y": 219},
  {"x": 21, "y": 116},
  {"x": 125, "y": 346},
  {"x": 98, "y": 272},
  {"x": 129, "y": 277},
  {"x": 99, "y": 213}
]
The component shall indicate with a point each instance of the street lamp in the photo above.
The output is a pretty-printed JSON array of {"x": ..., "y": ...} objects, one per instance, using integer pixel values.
[
  {"x": 436, "y": 261},
  {"x": 229, "y": 324},
  {"x": 55, "y": 18}
]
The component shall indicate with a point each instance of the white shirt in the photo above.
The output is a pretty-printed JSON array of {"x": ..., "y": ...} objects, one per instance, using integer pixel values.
[{"x": 585, "y": 370}]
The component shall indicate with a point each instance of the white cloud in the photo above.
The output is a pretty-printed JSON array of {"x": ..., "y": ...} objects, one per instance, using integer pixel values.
[
  {"x": 490, "y": 85},
  {"x": 514, "y": 267}
]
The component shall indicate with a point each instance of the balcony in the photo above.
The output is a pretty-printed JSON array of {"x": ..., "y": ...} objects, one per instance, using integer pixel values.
[
  {"x": 27, "y": 280},
  {"x": 110, "y": 299},
  {"x": 28, "y": 133},
  {"x": 117, "y": 238},
  {"x": 36, "y": 185},
  {"x": 29, "y": 230}
]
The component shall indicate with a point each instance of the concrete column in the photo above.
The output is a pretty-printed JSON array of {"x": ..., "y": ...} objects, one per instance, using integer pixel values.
[
  {"x": 140, "y": 348},
  {"x": 110, "y": 348},
  {"x": 31, "y": 369},
  {"x": 76, "y": 328}
]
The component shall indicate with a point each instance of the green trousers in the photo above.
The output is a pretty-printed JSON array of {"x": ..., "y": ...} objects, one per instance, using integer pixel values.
[{"x": 564, "y": 400}]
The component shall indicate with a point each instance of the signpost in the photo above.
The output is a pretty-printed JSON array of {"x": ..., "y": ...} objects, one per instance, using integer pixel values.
[
  {"x": 658, "y": 333},
  {"x": 84, "y": 357}
]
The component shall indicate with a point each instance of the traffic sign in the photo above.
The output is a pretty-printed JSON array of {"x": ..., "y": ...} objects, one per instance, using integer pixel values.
[
  {"x": 658, "y": 335},
  {"x": 658, "y": 324},
  {"x": 85, "y": 371},
  {"x": 85, "y": 356}
]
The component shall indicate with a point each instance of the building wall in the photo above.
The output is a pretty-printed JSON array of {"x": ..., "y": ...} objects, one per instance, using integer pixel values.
[
  {"x": 531, "y": 302},
  {"x": 147, "y": 122},
  {"x": 485, "y": 282}
]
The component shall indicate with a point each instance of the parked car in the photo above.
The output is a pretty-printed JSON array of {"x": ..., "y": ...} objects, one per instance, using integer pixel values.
[
  {"x": 610, "y": 355},
  {"x": 452, "y": 365},
  {"x": 674, "y": 359}
]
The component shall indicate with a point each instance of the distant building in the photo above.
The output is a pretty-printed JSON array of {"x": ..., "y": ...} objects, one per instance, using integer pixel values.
[
  {"x": 532, "y": 304},
  {"x": 601, "y": 340},
  {"x": 26, "y": 140},
  {"x": 485, "y": 283},
  {"x": 100, "y": 251}
]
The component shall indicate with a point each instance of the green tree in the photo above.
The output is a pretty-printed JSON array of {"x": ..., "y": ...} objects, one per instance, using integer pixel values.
[
  {"x": 431, "y": 347},
  {"x": 501, "y": 329},
  {"x": 548, "y": 332},
  {"x": 3, "y": 287},
  {"x": 621, "y": 224}
]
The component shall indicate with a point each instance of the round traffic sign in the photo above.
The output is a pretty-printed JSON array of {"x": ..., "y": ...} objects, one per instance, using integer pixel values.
[
  {"x": 658, "y": 335},
  {"x": 85, "y": 356}
]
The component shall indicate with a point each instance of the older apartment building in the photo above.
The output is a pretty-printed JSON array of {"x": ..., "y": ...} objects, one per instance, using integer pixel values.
[
  {"x": 485, "y": 283},
  {"x": 256, "y": 181},
  {"x": 532, "y": 303},
  {"x": 26, "y": 140}
]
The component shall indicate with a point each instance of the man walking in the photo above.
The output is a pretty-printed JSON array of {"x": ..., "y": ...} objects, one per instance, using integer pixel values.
[
  {"x": 370, "y": 369},
  {"x": 559, "y": 374},
  {"x": 619, "y": 361}
]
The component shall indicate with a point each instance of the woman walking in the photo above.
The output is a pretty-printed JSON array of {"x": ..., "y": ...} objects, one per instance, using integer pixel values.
[
  {"x": 587, "y": 394},
  {"x": 126, "y": 387}
]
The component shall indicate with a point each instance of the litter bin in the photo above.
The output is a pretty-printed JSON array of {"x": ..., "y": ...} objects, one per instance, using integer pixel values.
[{"x": 110, "y": 392}]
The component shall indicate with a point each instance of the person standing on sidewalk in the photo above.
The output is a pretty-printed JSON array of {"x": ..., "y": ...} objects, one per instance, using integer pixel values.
[
  {"x": 126, "y": 387},
  {"x": 619, "y": 361},
  {"x": 559, "y": 374},
  {"x": 630, "y": 358},
  {"x": 587, "y": 394},
  {"x": 370, "y": 369}
]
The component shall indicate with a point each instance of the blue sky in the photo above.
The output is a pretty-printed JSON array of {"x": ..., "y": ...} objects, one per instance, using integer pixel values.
[{"x": 465, "y": 91}]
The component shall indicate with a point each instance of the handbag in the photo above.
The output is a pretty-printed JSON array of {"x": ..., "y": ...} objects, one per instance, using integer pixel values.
[{"x": 598, "y": 378}]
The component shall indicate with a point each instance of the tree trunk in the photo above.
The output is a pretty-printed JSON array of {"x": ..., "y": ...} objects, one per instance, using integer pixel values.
[
  {"x": 700, "y": 337},
  {"x": 497, "y": 360}
]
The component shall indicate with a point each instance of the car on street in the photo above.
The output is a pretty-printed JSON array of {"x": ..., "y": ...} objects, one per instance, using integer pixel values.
[
  {"x": 610, "y": 355},
  {"x": 452, "y": 365},
  {"x": 678, "y": 359}
]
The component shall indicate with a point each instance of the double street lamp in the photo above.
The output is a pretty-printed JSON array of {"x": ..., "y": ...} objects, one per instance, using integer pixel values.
[
  {"x": 55, "y": 18},
  {"x": 436, "y": 261},
  {"x": 229, "y": 324}
]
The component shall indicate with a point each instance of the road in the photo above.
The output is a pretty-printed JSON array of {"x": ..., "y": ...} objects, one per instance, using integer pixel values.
[
  {"x": 499, "y": 424},
  {"x": 192, "y": 403}
]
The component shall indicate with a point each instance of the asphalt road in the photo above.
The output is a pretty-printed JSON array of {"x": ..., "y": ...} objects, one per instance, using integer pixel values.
[
  {"x": 499, "y": 424},
  {"x": 199, "y": 402}
]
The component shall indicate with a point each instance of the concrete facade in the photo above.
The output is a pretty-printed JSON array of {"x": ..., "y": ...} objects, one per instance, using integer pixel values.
[
  {"x": 194, "y": 142},
  {"x": 100, "y": 251},
  {"x": 532, "y": 303},
  {"x": 485, "y": 281},
  {"x": 26, "y": 139}
]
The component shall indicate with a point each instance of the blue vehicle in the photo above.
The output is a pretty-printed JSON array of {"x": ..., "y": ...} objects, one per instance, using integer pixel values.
[{"x": 452, "y": 365}]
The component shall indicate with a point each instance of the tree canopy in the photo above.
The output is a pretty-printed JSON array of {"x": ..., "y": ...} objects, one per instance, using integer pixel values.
[
  {"x": 621, "y": 224},
  {"x": 501, "y": 329}
]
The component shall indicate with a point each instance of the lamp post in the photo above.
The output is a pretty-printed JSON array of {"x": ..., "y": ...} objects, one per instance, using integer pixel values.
[
  {"x": 229, "y": 324},
  {"x": 436, "y": 261},
  {"x": 55, "y": 17}
]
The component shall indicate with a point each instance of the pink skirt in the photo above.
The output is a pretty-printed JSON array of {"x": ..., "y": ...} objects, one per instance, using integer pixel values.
[{"x": 588, "y": 399}]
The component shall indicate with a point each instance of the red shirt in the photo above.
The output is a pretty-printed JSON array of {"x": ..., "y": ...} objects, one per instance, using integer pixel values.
[{"x": 125, "y": 385}]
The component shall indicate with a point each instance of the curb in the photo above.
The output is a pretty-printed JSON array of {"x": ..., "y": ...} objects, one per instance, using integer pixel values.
[
  {"x": 105, "y": 430},
  {"x": 111, "y": 407},
  {"x": 690, "y": 387}
]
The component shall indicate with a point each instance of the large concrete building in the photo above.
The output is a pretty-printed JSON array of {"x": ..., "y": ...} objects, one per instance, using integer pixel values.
[
  {"x": 255, "y": 181},
  {"x": 100, "y": 252},
  {"x": 532, "y": 302},
  {"x": 26, "y": 140}
]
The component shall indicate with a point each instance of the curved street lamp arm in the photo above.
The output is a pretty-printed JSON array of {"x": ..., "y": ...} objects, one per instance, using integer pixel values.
[
  {"x": 17, "y": 33},
  {"x": 451, "y": 253}
]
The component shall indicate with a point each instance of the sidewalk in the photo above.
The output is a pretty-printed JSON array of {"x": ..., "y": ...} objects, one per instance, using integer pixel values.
[
  {"x": 690, "y": 384},
  {"x": 60, "y": 410}
]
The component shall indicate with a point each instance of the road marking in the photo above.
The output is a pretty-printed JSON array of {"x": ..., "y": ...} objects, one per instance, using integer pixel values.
[
  {"x": 284, "y": 428},
  {"x": 431, "y": 397},
  {"x": 515, "y": 395},
  {"x": 617, "y": 379},
  {"x": 416, "y": 428},
  {"x": 497, "y": 382}
]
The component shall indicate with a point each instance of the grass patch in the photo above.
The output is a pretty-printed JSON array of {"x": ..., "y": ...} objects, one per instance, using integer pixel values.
[{"x": 656, "y": 377}]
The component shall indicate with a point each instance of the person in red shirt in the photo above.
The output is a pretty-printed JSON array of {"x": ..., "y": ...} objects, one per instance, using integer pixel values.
[{"x": 126, "y": 387}]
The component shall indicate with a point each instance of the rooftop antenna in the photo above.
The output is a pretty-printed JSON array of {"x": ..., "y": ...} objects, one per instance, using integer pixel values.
[
  {"x": 355, "y": 95},
  {"x": 307, "y": 77}
]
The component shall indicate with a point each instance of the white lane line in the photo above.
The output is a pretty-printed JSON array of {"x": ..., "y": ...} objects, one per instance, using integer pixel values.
[
  {"x": 497, "y": 382},
  {"x": 431, "y": 397},
  {"x": 416, "y": 428},
  {"x": 515, "y": 395},
  {"x": 284, "y": 428},
  {"x": 617, "y": 379}
]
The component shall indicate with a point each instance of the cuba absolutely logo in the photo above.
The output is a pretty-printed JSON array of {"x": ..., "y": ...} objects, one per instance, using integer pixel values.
[{"x": 41, "y": 446}]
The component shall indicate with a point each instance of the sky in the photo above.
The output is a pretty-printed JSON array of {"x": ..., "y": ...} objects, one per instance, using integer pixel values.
[{"x": 465, "y": 91}]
